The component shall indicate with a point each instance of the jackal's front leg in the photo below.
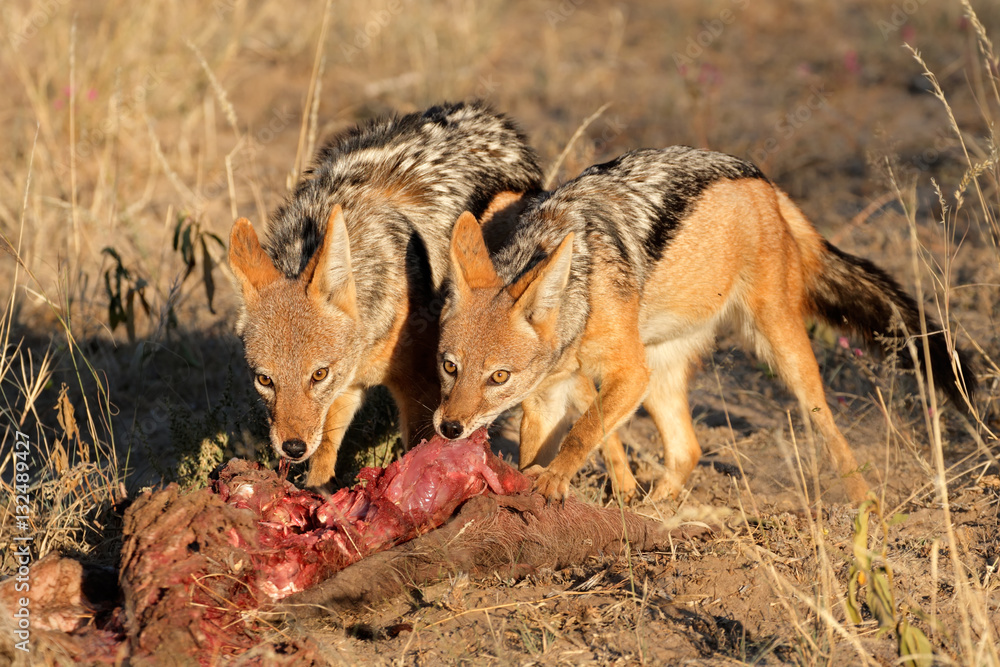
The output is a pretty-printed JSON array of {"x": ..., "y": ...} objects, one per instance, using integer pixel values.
[
  {"x": 542, "y": 424},
  {"x": 338, "y": 418},
  {"x": 624, "y": 377},
  {"x": 622, "y": 481}
]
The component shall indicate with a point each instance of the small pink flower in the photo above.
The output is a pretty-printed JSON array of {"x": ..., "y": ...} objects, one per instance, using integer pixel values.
[
  {"x": 908, "y": 33},
  {"x": 851, "y": 62},
  {"x": 858, "y": 352},
  {"x": 92, "y": 94},
  {"x": 709, "y": 75},
  {"x": 844, "y": 343}
]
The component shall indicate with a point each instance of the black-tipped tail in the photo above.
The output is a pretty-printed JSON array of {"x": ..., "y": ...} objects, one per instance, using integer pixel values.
[{"x": 853, "y": 294}]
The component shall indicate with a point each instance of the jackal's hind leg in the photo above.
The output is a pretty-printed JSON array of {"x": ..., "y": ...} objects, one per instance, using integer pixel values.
[
  {"x": 785, "y": 341},
  {"x": 671, "y": 364}
]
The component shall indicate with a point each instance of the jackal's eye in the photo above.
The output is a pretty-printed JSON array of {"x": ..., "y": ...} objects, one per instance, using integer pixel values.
[
  {"x": 449, "y": 367},
  {"x": 320, "y": 374},
  {"x": 499, "y": 377},
  {"x": 264, "y": 380}
]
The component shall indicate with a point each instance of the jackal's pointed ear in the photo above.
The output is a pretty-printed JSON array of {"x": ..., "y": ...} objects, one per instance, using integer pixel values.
[
  {"x": 471, "y": 266},
  {"x": 251, "y": 266},
  {"x": 539, "y": 291},
  {"x": 329, "y": 272}
]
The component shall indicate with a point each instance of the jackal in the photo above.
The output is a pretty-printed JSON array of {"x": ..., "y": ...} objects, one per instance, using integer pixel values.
[
  {"x": 623, "y": 277},
  {"x": 343, "y": 293}
]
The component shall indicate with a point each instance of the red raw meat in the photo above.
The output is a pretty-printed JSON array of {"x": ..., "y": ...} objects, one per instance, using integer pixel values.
[
  {"x": 194, "y": 564},
  {"x": 303, "y": 537}
]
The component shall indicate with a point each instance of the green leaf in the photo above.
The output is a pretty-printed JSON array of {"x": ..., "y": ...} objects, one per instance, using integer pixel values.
[
  {"x": 853, "y": 608},
  {"x": 187, "y": 250},
  {"x": 177, "y": 230},
  {"x": 108, "y": 250},
  {"x": 145, "y": 304},
  {"x": 860, "y": 542},
  {"x": 216, "y": 238},
  {"x": 879, "y": 599},
  {"x": 130, "y": 315},
  {"x": 914, "y": 647},
  {"x": 206, "y": 265},
  {"x": 114, "y": 301}
]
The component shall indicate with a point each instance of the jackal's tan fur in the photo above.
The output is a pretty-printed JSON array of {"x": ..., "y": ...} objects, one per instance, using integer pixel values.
[
  {"x": 344, "y": 292},
  {"x": 622, "y": 278}
]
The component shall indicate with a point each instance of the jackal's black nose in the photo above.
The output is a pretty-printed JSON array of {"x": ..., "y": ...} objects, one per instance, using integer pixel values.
[
  {"x": 293, "y": 449},
  {"x": 451, "y": 430}
]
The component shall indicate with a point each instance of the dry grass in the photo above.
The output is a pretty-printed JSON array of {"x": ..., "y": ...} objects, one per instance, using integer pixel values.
[{"x": 136, "y": 133}]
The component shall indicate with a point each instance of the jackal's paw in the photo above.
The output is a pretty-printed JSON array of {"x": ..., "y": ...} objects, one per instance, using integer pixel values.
[
  {"x": 624, "y": 487},
  {"x": 534, "y": 471},
  {"x": 552, "y": 485},
  {"x": 665, "y": 488},
  {"x": 857, "y": 487}
]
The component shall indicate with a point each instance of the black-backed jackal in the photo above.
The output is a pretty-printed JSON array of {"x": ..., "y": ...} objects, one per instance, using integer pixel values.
[
  {"x": 621, "y": 278},
  {"x": 341, "y": 295}
]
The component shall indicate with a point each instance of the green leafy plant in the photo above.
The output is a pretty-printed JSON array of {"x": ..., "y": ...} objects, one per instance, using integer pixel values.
[
  {"x": 192, "y": 240},
  {"x": 122, "y": 291},
  {"x": 871, "y": 570},
  {"x": 200, "y": 440}
]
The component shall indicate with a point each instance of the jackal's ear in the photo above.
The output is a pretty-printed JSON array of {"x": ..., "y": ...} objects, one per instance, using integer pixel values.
[
  {"x": 329, "y": 272},
  {"x": 539, "y": 291},
  {"x": 251, "y": 266},
  {"x": 471, "y": 266}
]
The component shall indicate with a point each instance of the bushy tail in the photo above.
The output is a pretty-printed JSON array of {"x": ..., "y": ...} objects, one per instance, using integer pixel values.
[{"x": 855, "y": 295}]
